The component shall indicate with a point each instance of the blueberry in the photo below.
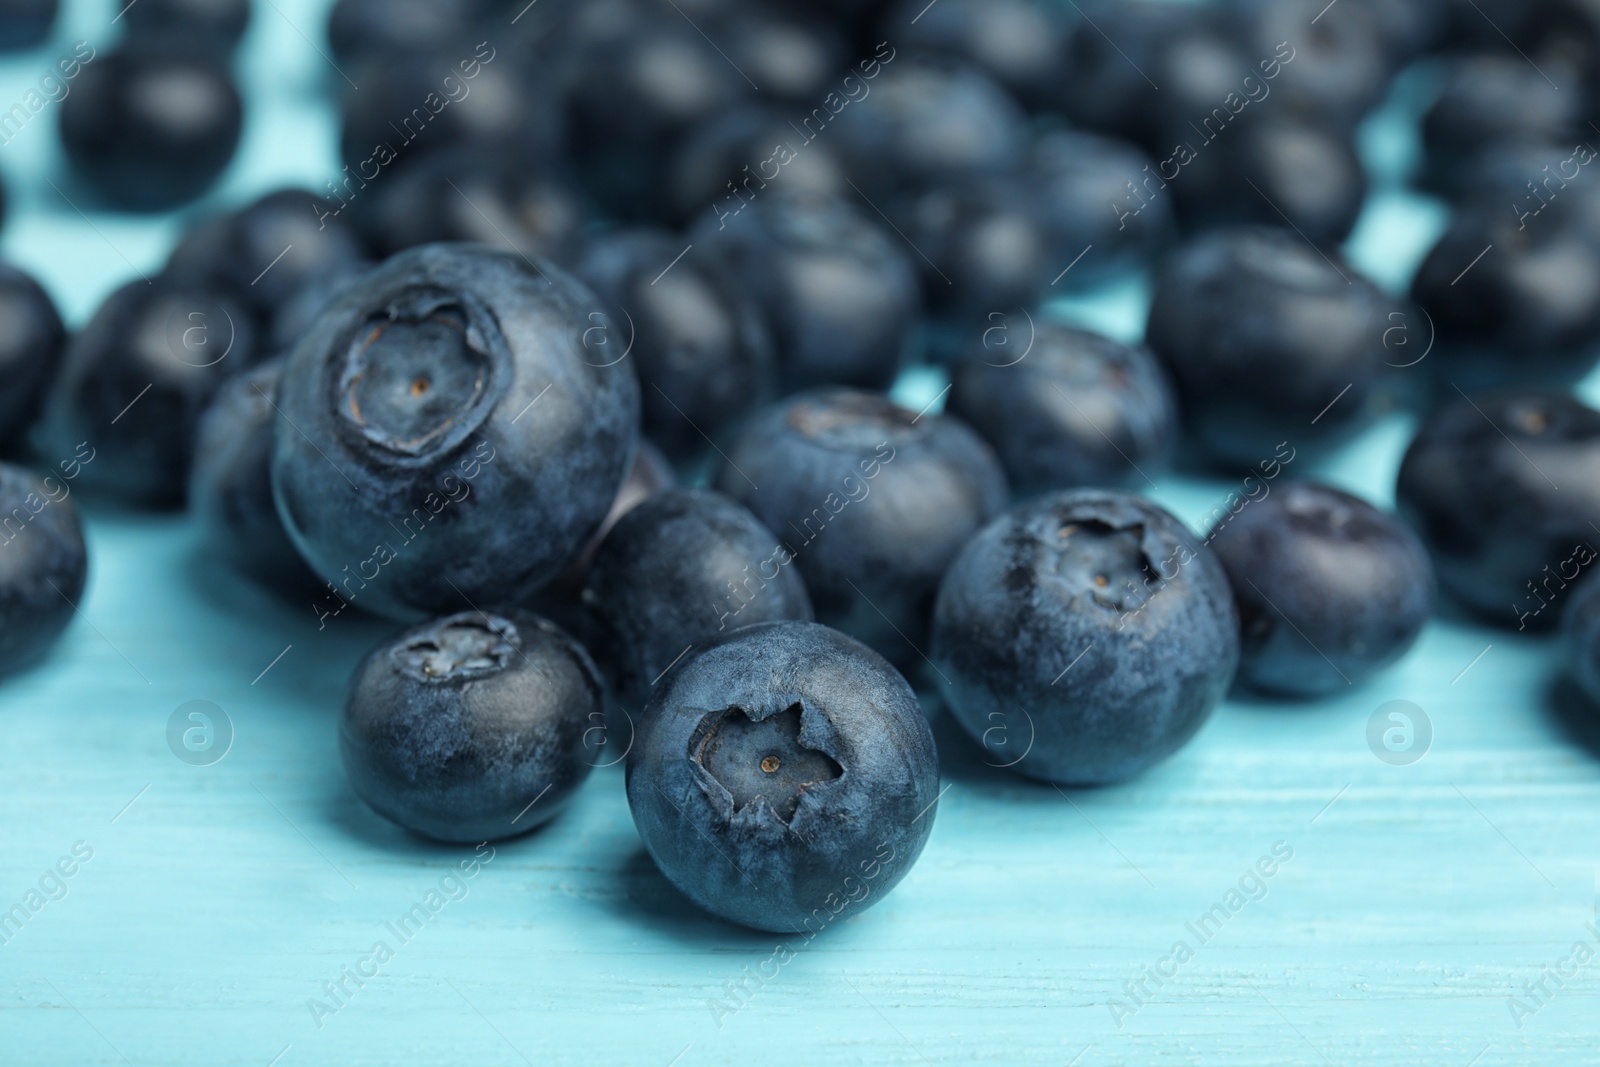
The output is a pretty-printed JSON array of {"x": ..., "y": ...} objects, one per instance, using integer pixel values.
[
  {"x": 700, "y": 345},
  {"x": 32, "y": 338},
  {"x": 1525, "y": 311},
  {"x": 359, "y": 28},
  {"x": 471, "y": 727},
  {"x": 1085, "y": 636},
  {"x": 632, "y": 98},
  {"x": 1017, "y": 42},
  {"x": 924, "y": 119},
  {"x": 25, "y": 23},
  {"x": 1141, "y": 68},
  {"x": 1304, "y": 171},
  {"x": 43, "y": 564},
  {"x": 1523, "y": 173},
  {"x": 222, "y": 20},
  {"x": 479, "y": 193},
  {"x": 560, "y": 601},
  {"x": 791, "y": 56},
  {"x": 1329, "y": 589},
  {"x": 1102, "y": 200},
  {"x": 1583, "y": 638},
  {"x": 135, "y": 381},
  {"x": 838, "y": 290},
  {"x": 152, "y": 124},
  {"x": 1490, "y": 100},
  {"x": 230, "y": 488},
  {"x": 684, "y": 567},
  {"x": 1337, "y": 63},
  {"x": 1562, "y": 37},
  {"x": 451, "y": 95},
  {"x": 985, "y": 250},
  {"x": 870, "y": 500},
  {"x": 734, "y": 155},
  {"x": 1408, "y": 28},
  {"x": 1072, "y": 409},
  {"x": 1502, "y": 489},
  {"x": 1490, "y": 23},
  {"x": 450, "y": 383},
  {"x": 1268, "y": 340},
  {"x": 266, "y": 253},
  {"x": 784, "y": 777}
]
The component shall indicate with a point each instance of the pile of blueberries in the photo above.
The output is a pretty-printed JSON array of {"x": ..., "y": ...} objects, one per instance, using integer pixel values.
[{"x": 581, "y": 368}]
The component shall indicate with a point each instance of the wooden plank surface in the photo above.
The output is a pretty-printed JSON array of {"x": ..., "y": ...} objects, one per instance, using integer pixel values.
[{"x": 222, "y": 906}]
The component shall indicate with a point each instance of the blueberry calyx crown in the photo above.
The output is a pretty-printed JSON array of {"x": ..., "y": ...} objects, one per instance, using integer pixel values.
[
  {"x": 1106, "y": 562},
  {"x": 761, "y": 758},
  {"x": 459, "y": 648},
  {"x": 422, "y": 374},
  {"x": 853, "y": 421}
]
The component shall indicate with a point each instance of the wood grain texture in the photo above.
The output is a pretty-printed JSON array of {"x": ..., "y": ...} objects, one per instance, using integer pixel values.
[{"x": 219, "y": 900}]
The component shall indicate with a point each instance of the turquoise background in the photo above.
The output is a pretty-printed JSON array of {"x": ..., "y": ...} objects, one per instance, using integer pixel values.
[{"x": 220, "y": 899}]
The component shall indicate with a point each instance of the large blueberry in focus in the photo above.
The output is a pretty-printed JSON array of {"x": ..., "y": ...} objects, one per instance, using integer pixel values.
[
  {"x": 927, "y": 119},
  {"x": 1268, "y": 340},
  {"x": 153, "y": 124},
  {"x": 1583, "y": 639},
  {"x": 447, "y": 435},
  {"x": 1329, "y": 589},
  {"x": 471, "y": 727},
  {"x": 838, "y": 289},
  {"x": 43, "y": 564},
  {"x": 136, "y": 380},
  {"x": 265, "y": 254},
  {"x": 784, "y": 777},
  {"x": 1513, "y": 290},
  {"x": 699, "y": 344},
  {"x": 1505, "y": 491},
  {"x": 1075, "y": 409},
  {"x": 32, "y": 338},
  {"x": 683, "y": 567},
  {"x": 871, "y": 500},
  {"x": 1085, "y": 636},
  {"x": 230, "y": 488}
]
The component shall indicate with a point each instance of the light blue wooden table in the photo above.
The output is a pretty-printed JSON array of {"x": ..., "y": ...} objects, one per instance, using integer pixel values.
[{"x": 228, "y": 914}]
